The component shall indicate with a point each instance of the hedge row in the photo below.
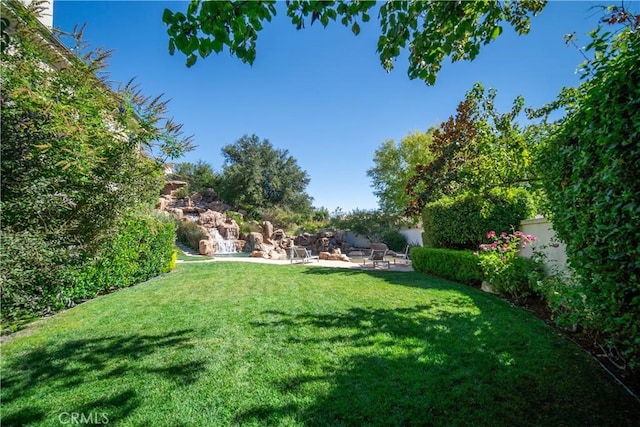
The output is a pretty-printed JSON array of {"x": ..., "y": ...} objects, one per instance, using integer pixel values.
[
  {"x": 462, "y": 222},
  {"x": 38, "y": 278},
  {"x": 459, "y": 266}
]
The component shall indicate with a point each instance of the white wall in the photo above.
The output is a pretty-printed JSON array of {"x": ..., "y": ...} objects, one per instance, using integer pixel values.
[
  {"x": 413, "y": 236},
  {"x": 555, "y": 252},
  {"x": 356, "y": 240},
  {"x": 46, "y": 17}
]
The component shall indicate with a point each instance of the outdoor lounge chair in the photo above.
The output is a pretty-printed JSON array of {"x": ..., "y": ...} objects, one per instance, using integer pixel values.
[
  {"x": 300, "y": 254},
  {"x": 377, "y": 258},
  {"x": 405, "y": 256}
]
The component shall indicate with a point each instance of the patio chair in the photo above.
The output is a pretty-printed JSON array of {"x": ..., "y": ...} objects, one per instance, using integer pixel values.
[
  {"x": 405, "y": 256},
  {"x": 300, "y": 254},
  {"x": 377, "y": 257}
]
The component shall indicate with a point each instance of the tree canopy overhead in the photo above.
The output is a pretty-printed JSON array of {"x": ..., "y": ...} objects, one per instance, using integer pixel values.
[{"x": 430, "y": 31}]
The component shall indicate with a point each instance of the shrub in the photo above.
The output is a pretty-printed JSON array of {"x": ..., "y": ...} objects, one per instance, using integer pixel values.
[
  {"x": 394, "y": 240},
  {"x": 189, "y": 233},
  {"x": 590, "y": 169},
  {"x": 461, "y": 222},
  {"x": 38, "y": 278},
  {"x": 143, "y": 247},
  {"x": 507, "y": 273},
  {"x": 460, "y": 266},
  {"x": 172, "y": 263},
  {"x": 32, "y": 273}
]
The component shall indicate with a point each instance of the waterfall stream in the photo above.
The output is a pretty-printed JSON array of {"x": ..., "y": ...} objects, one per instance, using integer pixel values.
[{"x": 223, "y": 246}]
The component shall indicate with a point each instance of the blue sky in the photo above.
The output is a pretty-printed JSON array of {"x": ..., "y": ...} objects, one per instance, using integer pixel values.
[{"x": 321, "y": 93}]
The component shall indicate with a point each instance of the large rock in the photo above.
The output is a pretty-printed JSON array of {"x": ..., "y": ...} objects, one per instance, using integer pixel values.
[
  {"x": 211, "y": 219},
  {"x": 170, "y": 187},
  {"x": 209, "y": 195},
  {"x": 334, "y": 257},
  {"x": 229, "y": 230},
  {"x": 267, "y": 230},
  {"x": 206, "y": 247},
  {"x": 278, "y": 253},
  {"x": 277, "y": 235},
  {"x": 254, "y": 242}
]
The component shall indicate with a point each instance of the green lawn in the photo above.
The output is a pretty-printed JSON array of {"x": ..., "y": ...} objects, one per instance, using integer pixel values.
[{"x": 231, "y": 343}]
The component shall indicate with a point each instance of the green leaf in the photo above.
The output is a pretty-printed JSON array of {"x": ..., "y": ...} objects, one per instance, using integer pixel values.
[
  {"x": 167, "y": 17},
  {"x": 355, "y": 28},
  {"x": 172, "y": 47},
  {"x": 497, "y": 30},
  {"x": 217, "y": 45},
  {"x": 191, "y": 60}
]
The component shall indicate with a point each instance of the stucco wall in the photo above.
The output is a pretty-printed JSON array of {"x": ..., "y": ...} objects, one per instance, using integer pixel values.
[
  {"x": 413, "y": 236},
  {"x": 556, "y": 255}
]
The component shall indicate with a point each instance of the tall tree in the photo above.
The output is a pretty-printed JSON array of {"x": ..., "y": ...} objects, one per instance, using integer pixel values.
[
  {"x": 475, "y": 150},
  {"x": 200, "y": 175},
  {"x": 393, "y": 166},
  {"x": 255, "y": 175},
  {"x": 430, "y": 31}
]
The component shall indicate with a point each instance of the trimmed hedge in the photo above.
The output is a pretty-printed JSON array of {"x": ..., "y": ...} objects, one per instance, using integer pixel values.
[
  {"x": 459, "y": 266},
  {"x": 142, "y": 248},
  {"x": 589, "y": 169},
  {"x": 462, "y": 222},
  {"x": 38, "y": 279}
]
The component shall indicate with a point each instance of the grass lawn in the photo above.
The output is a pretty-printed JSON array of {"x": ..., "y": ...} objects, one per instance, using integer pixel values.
[{"x": 231, "y": 343}]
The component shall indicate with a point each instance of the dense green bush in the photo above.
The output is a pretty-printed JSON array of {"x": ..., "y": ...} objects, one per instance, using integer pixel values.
[
  {"x": 394, "y": 240},
  {"x": 32, "y": 276},
  {"x": 460, "y": 266},
  {"x": 142, "y": 247},
  {"x": 189, "y": 233},
  {"x": 37, "y": 279},
  {"x": 591, "y": 169},
  {"x": 461, "y": 222},
  {"x": 76, "y": 160},
  {"x": 506, "y": 272}
]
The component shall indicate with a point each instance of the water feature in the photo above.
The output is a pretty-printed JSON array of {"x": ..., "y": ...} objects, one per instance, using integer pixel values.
[{"x": 223, "y": 246}]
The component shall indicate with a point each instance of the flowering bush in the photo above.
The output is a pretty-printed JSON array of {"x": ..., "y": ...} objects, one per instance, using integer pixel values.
[{"x": 503, "y": 269}]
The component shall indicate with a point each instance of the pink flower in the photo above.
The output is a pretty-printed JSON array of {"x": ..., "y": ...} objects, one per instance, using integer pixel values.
[{"x": 491, "y": 234}]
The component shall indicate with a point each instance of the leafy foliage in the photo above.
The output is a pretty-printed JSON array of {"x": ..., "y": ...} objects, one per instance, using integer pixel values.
[
  {"x": 394, "y": 165},
  {"x": 461, "y": 222},
  {"x": 77, "y": 159},
  {"x": 590, "y": 169},
  {"x": 460, "y": 266},
  {"x": 372, "y": 224},
  {"x": 477, "y": 150},
  {"x": 190, "y": 234},
  {"x": 200, "y": 176},
  {"x": 429, "y": 31},
  {"x": 140, "y": 248},
  {"x": 505, "y": 271},
  {"x": 257, "y": 176},
  {"x": 38, "y": 278},
  {"x": 394, "y": 240}
]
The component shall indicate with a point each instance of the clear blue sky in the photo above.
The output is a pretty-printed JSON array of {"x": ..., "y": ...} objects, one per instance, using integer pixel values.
[{"x": 321, "y": 93}]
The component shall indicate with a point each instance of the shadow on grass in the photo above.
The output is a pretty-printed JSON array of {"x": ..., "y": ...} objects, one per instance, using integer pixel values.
[
  {"x": 88, "y": 363},
  {"x": 425, "y": 365}
]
